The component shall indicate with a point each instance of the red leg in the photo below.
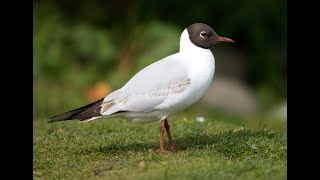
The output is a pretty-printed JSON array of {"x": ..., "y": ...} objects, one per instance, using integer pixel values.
[
  {"x": 166, "y": 125},
  {"x": 162, "y": 125}
]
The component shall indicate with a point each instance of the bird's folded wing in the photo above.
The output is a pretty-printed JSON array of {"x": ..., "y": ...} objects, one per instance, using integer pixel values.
[{"x": 149, "y": 87}]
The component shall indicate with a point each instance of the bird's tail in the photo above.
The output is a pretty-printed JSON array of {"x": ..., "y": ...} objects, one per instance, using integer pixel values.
[{"x": 86, "y": 112}]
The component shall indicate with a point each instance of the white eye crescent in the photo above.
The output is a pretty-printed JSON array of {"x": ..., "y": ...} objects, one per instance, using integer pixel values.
[{"x": 203, "y": 34}]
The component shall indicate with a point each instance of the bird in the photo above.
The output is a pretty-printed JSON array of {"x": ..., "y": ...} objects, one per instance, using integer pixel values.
[{"x": 162, "y": 88}]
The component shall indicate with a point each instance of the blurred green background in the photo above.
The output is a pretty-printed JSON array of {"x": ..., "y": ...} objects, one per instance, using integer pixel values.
[{"x": 83, "y": 50}]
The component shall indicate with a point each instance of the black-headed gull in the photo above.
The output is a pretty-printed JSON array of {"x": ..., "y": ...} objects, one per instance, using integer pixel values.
[{"x": 166, "y": 86}]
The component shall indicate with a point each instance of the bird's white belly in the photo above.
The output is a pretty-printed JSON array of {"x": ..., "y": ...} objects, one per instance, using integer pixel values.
[{"x": 144, "y": 117}]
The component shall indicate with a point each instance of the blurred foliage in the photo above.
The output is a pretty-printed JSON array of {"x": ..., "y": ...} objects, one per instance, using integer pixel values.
[{"x": 91, "y": 41}]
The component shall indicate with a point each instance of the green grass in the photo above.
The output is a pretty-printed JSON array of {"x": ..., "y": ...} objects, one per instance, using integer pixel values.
[{"x": 219, "y": 148}]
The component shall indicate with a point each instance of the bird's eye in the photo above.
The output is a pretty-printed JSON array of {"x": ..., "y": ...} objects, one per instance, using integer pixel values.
[{"x": 203, "y": 34}]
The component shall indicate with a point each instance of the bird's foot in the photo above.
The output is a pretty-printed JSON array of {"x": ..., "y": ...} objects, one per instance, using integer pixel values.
[
  {"x": 161, "y": 153},
  {"x": 174, "y": 149}
]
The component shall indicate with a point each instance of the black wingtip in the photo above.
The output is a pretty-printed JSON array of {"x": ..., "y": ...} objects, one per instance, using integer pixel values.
[
  {"x": 51, "y": 120},
  {"x": 60, "y": 117},
  {"x": 82, "y": 113}
]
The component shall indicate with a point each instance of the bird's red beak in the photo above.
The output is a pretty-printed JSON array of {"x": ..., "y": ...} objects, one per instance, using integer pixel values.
[{"x": 223, "y": 39}]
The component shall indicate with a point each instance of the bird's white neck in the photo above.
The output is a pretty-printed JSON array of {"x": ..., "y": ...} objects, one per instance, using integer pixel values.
[
  {"x": 196, "y": 55},
  {"x": 187, "y": 46}
]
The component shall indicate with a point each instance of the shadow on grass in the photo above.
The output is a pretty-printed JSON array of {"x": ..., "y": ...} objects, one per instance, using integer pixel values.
[{"x": 228, "y": 143}]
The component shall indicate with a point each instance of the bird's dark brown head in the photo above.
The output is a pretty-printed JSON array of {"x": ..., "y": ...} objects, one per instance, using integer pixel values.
[{"x": 204, "y": 36}]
